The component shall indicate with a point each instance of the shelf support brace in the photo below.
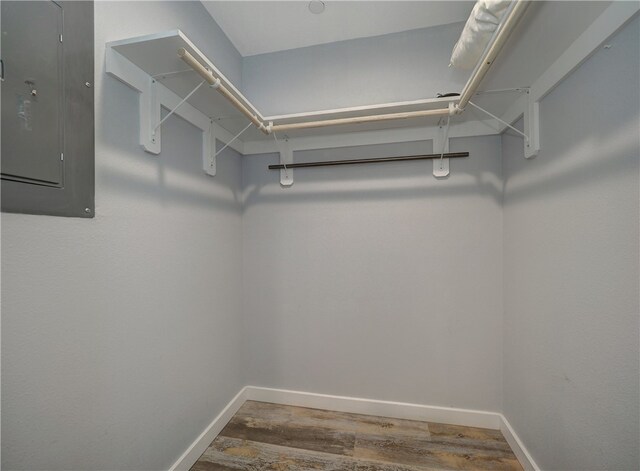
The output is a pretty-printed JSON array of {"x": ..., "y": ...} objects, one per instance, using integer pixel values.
[
  {"x": 286, "y": 158},
  {"x": 531, "y": 127},
  {"x": 209, "y": 150},
  {"x": 175, "y": 108},
  {"x": 501, "y": 121},
  {"x": 441, "y": 146},
  {"x": 150, "y": 138}
]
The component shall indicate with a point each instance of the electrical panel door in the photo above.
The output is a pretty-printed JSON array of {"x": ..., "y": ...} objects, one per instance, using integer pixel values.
[{"x": 32, "y": 92}]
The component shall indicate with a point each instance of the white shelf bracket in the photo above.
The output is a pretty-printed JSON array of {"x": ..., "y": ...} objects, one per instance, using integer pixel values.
[
  {"x": 150, "y": 137},
  {"x": 441, "y": 145},
  {"x": 531, "y": 127},
  {"x": 286, "y": 158},
  {"x": 153, "y": 96},
  {"x": 209, "y": 150}
]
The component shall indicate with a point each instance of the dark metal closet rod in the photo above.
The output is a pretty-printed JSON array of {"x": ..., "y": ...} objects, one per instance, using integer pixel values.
[{"x": 330, "y": 163}]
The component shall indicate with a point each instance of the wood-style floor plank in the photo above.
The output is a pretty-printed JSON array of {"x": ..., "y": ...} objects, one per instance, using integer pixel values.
[
  {"x": 271, "y": 437},
  {"x": 314, "y": 429},
  {"x": 276, "y": 425},
  {"x": 226, "y": 454},
  {"x": 464, "y": 455},
  {"x": 358, "y": 423},
  {"x": 453, "y": 432}
]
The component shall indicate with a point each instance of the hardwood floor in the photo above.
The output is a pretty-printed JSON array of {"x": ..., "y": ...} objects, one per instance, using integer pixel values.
[{"x": 271, "y": 437}]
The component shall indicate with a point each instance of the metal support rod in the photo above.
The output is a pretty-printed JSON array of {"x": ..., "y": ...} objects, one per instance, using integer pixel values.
[
  {"x": 526, "y": 138},
  {"x": 446, "y": 137},
  {"x": 234, "y": 138},
  {"x": 215, "y": 81},
  {"x": 507, "y": 25},
  {"x": 331, "y": 163},
  {"x": 178, "y": 106}
]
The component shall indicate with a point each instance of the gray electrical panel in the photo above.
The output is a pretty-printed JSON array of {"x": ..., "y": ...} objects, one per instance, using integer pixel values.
[
  {"x": 32, "y": 92},
  {"x": 47, "y": 140}
]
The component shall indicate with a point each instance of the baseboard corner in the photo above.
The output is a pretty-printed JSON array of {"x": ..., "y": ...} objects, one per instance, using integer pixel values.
[
  {"x": 516, "y": 444},
  {"x": 195, "y": 450}
]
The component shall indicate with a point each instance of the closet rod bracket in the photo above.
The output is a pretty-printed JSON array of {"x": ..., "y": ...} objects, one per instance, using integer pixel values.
[
  {"x": 286, "y": 158},
  {"x": 441, "y": 146},
  {"x": 532, "y": 126},
  {"x": 285, "y": 152}
]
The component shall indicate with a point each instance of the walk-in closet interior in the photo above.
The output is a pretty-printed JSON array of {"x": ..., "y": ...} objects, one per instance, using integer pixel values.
[{"x": 320, "y": 235}]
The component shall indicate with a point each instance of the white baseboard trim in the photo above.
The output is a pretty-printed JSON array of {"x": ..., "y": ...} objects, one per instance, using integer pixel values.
[
  {"x": 521, "y": 452},
  {"x": 397, "y": 410},
  {"x": 191, "y": 455},
  {"x": 354, "y": 405}
]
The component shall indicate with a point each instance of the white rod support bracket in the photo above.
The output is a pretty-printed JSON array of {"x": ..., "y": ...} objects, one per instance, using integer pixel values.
[
  {"x": 441, "y": 166},
  {"x": 286, "y": 158},
  {"x": 209, "y": 150},
  {"x": 150, "y": 138},
  {"x": 441, "y": 144},
  {"x": 532, "y": 127}
]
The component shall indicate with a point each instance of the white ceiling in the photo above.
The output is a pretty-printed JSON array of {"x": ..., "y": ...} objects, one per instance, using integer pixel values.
[{"x": 257, "y": 27}]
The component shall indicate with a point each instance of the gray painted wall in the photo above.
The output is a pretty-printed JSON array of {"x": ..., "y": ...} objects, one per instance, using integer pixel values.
[
  {"x": 374, "y": 281},
  {"x": 121, "y": 334},
  {"x": 571, "y": 355},
  {"x": 395, "y": 67},
  {"x": 377, "y": 281}
]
